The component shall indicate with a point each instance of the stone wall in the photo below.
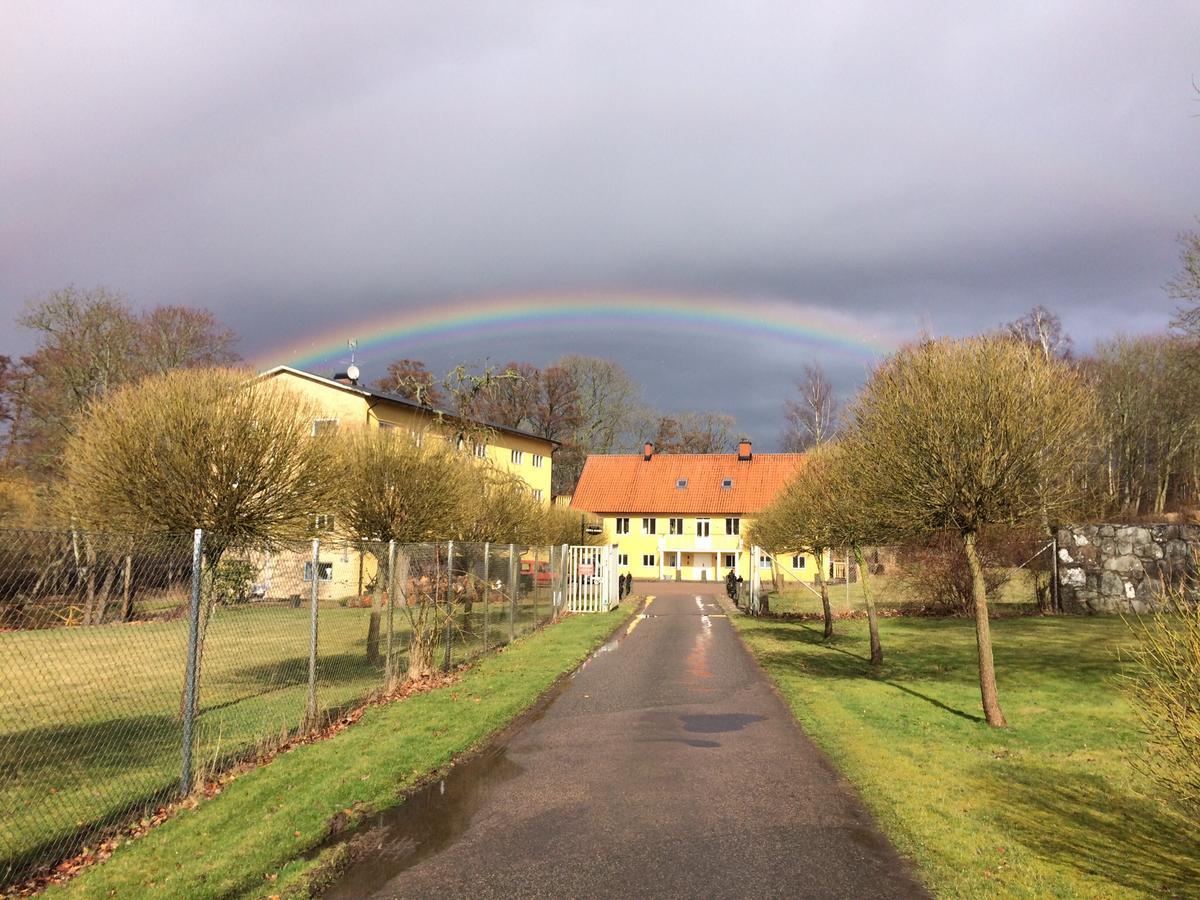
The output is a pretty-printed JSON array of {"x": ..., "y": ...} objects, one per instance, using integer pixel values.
[{"x": 1122, "y": 568}]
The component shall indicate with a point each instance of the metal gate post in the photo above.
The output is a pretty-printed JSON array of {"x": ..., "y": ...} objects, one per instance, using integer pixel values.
[
  {"x": 311, "y": 711},
  {"x": 1056, "y": 597},
  {"x": 390, "y": 586},
  {"x": 487, "y": 592},
  {"x": 191, "y": 675},
  {"x": 449, "y": 604}
]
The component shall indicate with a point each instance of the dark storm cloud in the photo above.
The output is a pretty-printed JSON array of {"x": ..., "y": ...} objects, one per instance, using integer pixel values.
[{"x": 293, "y": 167}]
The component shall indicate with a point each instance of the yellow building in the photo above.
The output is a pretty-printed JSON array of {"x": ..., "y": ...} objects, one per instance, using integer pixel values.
[
  {"x": 342, "y": 402},
  {"x": 683, "y": 516}
]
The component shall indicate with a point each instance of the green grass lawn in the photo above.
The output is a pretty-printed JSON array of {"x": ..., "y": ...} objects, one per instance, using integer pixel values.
[
  {"x": 890, "y": 593},
  {"x": 1049, "y": 807},
  {"x": 90, "y": 731},
  {"x": 251, "y": 840}
]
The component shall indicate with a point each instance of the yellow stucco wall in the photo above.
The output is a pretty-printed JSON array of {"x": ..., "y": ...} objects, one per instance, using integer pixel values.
[
  {"x": 352, "y": 409},
  {"x": 695, "y": 557}
]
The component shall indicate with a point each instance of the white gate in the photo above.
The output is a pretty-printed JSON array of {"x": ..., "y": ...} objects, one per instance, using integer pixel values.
[{"x": 592, "y": 579}]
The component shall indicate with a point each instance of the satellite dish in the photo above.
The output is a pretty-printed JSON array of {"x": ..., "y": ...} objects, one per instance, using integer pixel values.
[{"x": 352, "y": 372}]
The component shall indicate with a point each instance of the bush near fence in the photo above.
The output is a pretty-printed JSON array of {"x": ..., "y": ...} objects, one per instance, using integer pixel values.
[{"x": 94, "y": 659}]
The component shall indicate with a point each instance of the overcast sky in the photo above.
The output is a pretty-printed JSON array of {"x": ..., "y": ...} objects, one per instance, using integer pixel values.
[{"x": 300, "y": 168}]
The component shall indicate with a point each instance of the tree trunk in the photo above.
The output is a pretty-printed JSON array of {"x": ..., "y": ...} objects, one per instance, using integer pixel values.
[
  {"x": 127, "y": 590},
  {"x": 872, "y": 618},
  {"x": 826, "y": 611},
  {"x": 983, "y": 638},
  {"x": 373, "y": 630}
]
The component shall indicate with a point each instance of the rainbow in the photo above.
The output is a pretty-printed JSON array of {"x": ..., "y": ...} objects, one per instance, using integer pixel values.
[{"x": 401, "y": 331}]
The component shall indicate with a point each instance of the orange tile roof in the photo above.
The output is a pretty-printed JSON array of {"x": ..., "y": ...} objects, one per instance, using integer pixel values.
[{"x": 631, "y": 484}]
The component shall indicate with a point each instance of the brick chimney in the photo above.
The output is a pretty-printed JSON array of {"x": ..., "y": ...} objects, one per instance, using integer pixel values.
[
  {"x": 648, "y": 451},
  {"x": 745, "y": 453}
]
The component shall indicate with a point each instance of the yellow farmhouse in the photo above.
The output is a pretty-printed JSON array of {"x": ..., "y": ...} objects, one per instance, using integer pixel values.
[
  {"x": 683, "y": 516},
  {"x": 342, "y": 402}
]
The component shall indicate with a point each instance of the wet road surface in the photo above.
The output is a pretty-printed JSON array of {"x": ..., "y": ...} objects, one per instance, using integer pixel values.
[{"x": 666, "y": 766}]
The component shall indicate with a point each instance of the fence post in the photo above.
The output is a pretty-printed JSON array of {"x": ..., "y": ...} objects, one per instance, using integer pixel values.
[
  {"x": 1056, "y": 596},
  {"x": 191, "y": 675},
  {"x": 487, "y": 592},
  {"x": 449, "y": 604},
  {"x": 514, "y": 587},
  {"x": 311, "y": 710},
  {"x": 390, "y": 587}
]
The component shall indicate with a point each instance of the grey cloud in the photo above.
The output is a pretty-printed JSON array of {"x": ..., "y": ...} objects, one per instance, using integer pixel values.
[{"x": 295, "y": 167}]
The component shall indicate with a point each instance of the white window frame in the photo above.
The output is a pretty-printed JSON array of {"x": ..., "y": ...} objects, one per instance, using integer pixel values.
[
  {"x": 704, "y": 528},
  {"x": 798, "y": 561},
  {"x": 676, "y": 526},
  {"x": 323, "y": 522},
  {"x": 729, "y": 560},
  {"x": 480, "y": 450},
  {"x": 649, "y": 560},
  {"x": 537, "y": 494},
  {"x": 324, "y": 571},
  {"x": 622, "y": 559},
  {"x": 671, "y": 559},
  {"x": 317, "y": 423},
  {"x": 621, "y": 525},
  {"x": 537, "y": 460},
  {"x": 733, "y": 526},
  {"x": 764, "y": 562},
  {"x": 649, "y": 525},
  {"x": 517, "y": 457}
]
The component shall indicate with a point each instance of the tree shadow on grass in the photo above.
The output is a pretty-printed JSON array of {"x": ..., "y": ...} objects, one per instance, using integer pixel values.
[
  {"x": 847, "y": 664},
  {"x": 1086, "y": 822}
]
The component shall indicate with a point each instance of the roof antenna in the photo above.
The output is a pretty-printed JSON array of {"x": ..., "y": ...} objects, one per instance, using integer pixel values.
[{"x": 352, "y": 370}]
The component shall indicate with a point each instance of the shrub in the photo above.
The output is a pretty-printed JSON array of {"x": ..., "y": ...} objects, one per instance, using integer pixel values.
[{"x": 1164, "y": 686}]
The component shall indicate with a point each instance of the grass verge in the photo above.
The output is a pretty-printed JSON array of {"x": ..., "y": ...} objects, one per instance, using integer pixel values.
[
  {"x": 1049, "y": 807},
  {"x": 90, "y": 731},
  {"x": 249, "y": 841}
]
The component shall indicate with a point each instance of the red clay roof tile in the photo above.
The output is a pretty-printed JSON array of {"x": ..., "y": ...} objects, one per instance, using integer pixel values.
[{"x": 631, "y": 484}]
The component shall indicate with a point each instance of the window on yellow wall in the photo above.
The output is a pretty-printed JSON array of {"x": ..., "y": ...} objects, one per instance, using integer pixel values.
[
  {"x": 481, "y": 449},
  {"x": 730, "y": 560},
  {"x": 733, "y": 526},
  {"x": 622, "y": 526},
  {"x": 649, "y": 526},
  {"x": 797, "y": 562},
  {"x": 323, "y": 523},
  {"x": 676, "y": 526},
  {"x": 537, "y": 460},
  {"x": 703, "y": 527},
  {"x": 324, "y": 427},
  {"x": 622, "y": 559},
  {"x": 324, "y": 571},
  {"x": 518, "y": 457},
  {"x": 537, "y": 494},
  {"x": 648, "y": 559}
]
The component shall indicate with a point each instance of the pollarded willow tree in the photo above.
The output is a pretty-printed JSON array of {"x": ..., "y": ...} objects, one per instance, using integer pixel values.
[
  {"x": 957, "y": 435},
  {"x": 203, "y": 448},
  {"x": 798, "y": 519},
  {"x": 393, "y": 489}
]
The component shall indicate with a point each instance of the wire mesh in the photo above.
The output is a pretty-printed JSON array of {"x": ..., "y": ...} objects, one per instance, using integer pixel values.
[
  {"x": 930, "y": 577},
  {"x": 94, "y": 658}
]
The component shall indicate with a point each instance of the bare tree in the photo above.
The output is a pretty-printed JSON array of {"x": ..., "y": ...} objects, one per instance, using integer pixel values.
[
  {"x": 958, "y": 435},
  {"x": 179, "y": 337},
  {"x": 812, "y": 415},
  {"x": 1043, "y": 330},
  {"x": 695, "y": 432},
  {"x": 1185, "y": 286},
  {"x": 408, "y": 378}
]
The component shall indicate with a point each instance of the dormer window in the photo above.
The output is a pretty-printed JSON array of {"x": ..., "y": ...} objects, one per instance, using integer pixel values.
[
  {"x": 726, "y": 484},
  {"x": 681, "y": 483}
]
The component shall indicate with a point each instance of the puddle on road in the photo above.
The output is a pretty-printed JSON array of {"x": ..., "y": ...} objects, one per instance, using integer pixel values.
[
  {"x": 428, "y": 822},
  {"x": 437, "y": 815},
  {"x": 717, "y": 723}
]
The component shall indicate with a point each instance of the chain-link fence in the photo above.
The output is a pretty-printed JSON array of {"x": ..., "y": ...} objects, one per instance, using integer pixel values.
[
  {"x": 929, "y": 577},
  {"x": 133, "y": 667}
]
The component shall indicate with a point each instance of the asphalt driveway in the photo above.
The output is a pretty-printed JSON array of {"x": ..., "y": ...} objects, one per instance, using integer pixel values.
[{"x": 666, "y": 767}]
